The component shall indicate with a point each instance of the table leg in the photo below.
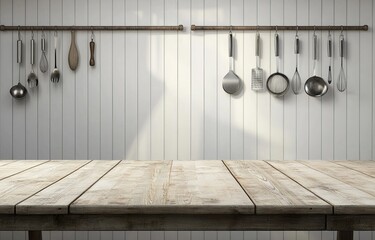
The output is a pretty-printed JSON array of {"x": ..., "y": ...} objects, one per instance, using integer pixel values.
[
  {"x": 35, "y": 235},
  {"x": 344, "y": 235}
]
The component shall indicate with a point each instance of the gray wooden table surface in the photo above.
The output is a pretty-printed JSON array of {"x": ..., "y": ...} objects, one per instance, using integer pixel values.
[{"x": 187, "y": 195}]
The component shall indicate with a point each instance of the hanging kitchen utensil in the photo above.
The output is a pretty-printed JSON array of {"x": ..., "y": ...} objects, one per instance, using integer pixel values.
[
  {"x": 92, "y": 50},
  {"x": 329, "y": 53},
  {"x": 257, "y": 73},
  {"x": 73, "y": 52},
  {"x": 315, "y": 86},
  {"x": 55, "y": 75},
  {"x": 341, "y": 82},
  {"x": 32, "y": 79},
  {"x": 231, "y": 82},
  {"x": 296, "y": 80},
  {"x": 19, "y": 91},
  {"x": 277, "y": 83},
  {"x": 43, "y": 64}
]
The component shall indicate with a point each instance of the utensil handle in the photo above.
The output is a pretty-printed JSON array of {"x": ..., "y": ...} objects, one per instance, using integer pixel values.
[
  {"x": 55, "y": 38},
  {"x": 276, "y": 45},
  {"x": 43, "y": 44},
  {"x": 92, "y": 49},
  {"x": 329, "y": 47},
  {"x": 296, "y": 45},
  {"x": 32, "y": 51},
  {"x": 230, "y": 44},
  {"x": 19, "y": 51},
  {"x": 341, "y": 46},
  {"x": 257, "y": 42},
  {"x": 314, "y": 46}
]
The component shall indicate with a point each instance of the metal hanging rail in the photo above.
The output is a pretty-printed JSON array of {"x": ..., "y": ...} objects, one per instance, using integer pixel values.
[
  {"x": 280, "y": 28},
  {"x": 92, "y": 28}
]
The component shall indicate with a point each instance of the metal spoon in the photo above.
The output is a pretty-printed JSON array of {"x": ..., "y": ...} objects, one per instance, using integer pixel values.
[
  {"x": 296, "y": 80},
  {"x": 55, "y": 75},
  {"x": 32, "y": 79},
  {"x": 341, "y": 82},
  {"x": 18, "y": 90}
]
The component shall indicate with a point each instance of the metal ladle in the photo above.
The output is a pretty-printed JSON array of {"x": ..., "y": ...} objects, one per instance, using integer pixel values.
[{"x": 18, "y": 90}]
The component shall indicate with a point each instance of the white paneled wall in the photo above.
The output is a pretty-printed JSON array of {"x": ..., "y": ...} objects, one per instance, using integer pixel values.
[{"x": 158, "y": 95}]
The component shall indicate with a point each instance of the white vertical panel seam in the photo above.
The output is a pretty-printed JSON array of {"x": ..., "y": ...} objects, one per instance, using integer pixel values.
[
  {"x": 112, "y": 87},
  {"x": 346, "y": 74},
  {"x": 204, "y": 82},
  {"x": 217, "y": 77},
  {"x": 359, "y": 82},
  {"x": 372, "y": 83}
]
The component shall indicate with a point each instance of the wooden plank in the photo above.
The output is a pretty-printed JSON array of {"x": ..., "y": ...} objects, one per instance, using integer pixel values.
[
  {"x": 153, "y": 187},
  {"x": 344, "y": 174},
  {"x": 6, "y": 162},
  {"x": 56, "y": 198},
  {"x": 23, "y": 185},
  {"x": 345, "y": 198},
  {"x": 366, "y": 167},
  {"x": 17, "y": 167},
  {"x": 206, "y": 187},
  {"x": 274, "y": 193},
  {"x": 166, "y": 222}
]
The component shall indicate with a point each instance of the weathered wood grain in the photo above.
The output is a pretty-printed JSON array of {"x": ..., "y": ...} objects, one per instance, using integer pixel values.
[
  {"x": 25, "y": 184},
  {"x": 164, "y": 222},
  {"x": 151, "y": 187},
  {"x": 56, "y": 198},
  {"x": 15, "y": 167},
  {"x": 274, "y": 193},
  {"x": 344, "y": 174},
  {"x": 351, "y": 222},
  {"x": 344, "y": 198},
  {"x": 5, "y": 162},
  {"x": 364, "y": 166}
]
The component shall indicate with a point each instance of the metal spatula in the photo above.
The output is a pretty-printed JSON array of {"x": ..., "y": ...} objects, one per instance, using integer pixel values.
[
  {"x": 231, "y": 82},
  {"x": 257, "y": 73}
]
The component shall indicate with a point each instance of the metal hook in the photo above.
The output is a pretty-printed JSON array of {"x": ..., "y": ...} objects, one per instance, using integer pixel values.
[
  {"x": 19, "y": 33},
  {"x": 329, "y": 30},
  {"x": 43, "y": 35},
  {"x": 92, "y": 33},
  {"x": 296, "y": 30},
  {"x": 55, "y": 34},
  {"x": 276, "y": 29},
  {"x": 342, "y": 29},
  {"x": 257, "y": 29},
  {"x": 314, "y": 29},
  {"x": 32, "y": 33},
  {"x": 230, "y": 29}
]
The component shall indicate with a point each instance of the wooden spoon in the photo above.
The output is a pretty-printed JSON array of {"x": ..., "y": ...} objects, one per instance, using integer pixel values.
[{"x": 73, "y": 53}]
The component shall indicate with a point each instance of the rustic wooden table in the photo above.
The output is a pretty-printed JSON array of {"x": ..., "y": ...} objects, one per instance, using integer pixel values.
[{"x": 187, "y": 195}]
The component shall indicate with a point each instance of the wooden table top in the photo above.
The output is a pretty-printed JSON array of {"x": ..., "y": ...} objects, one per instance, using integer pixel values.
[{"x": 209, "y": 187}]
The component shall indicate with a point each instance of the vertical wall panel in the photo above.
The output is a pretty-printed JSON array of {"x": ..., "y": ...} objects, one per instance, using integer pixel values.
[
  {"x": 223, "y": 99},
  {"x": 118, "y": 81},
  {"x": 144, "y": 82},
  {"x": 171, "y": 82},
  {"x": 106, "y": 82},
  {"x": 197, "y": 82},
  {"x": 19, "y": 73},
  {"x": 157, "y": 82},
  {"x": 210, "y": 81},
  {"x": 68, "y": 85},
  {"x": 56, "y": 89},
  {"x": 365, "y": 84},
  {"x": 32, "y": 101},
  {"x": 184, "y": 92},
  {"x": 353, "y": 82},
  {"x": 250, "y": 97},
  {"x": 237, "y": 101},
  {"x": 6, "y": 82},
  {"x": 277, "y": 103},
  {"x": 131, "y": 76},
  {"x": 94, "y": 86},
  {"x": 340, "y": 137},
  {"x": 302, "y": 99},
  {"x": 81, "y": 83},
  {"x": 264, "y": 100}
]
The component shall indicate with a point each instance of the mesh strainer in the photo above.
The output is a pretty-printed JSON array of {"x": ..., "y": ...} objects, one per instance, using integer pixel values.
[{"x": 277, "y": 83}]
